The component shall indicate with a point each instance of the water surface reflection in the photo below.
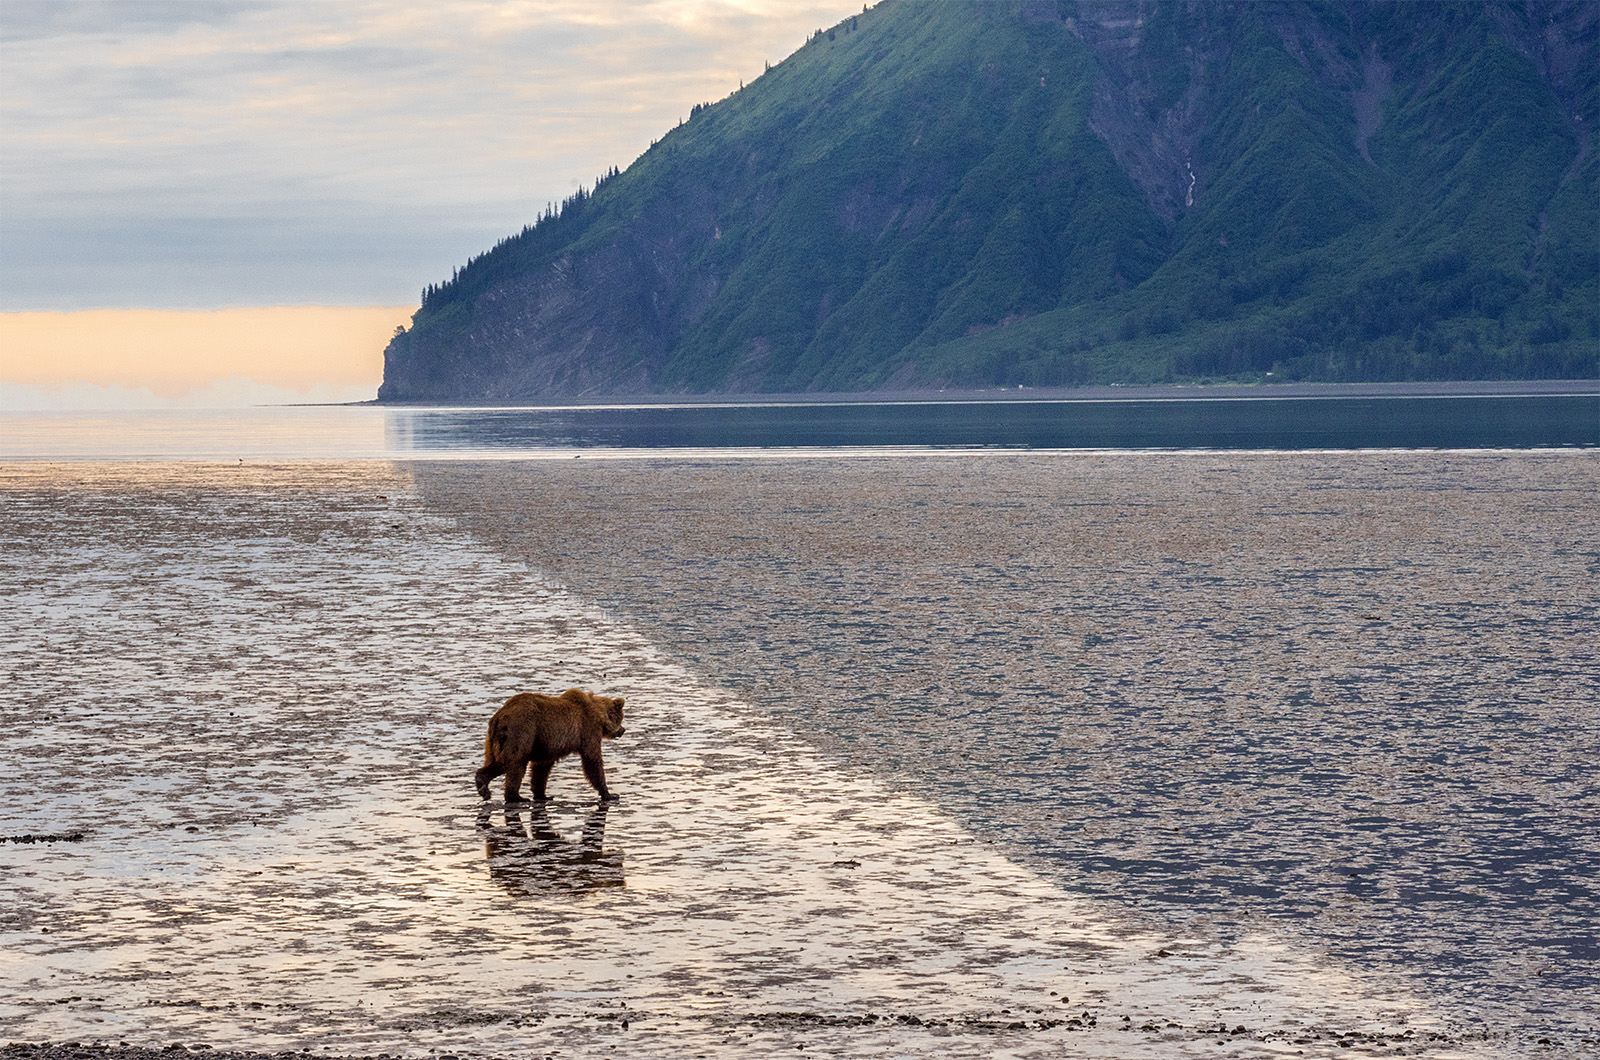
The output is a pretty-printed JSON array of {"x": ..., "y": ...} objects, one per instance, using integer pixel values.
[
  {"x": 1521, "y": 421},
  {"x": 530, "y": 858},
  {"x": 283, "y": 849},
  {"x": 1269, "y": 420}
]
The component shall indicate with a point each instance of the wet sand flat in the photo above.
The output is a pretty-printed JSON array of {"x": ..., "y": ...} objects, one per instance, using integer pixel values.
[
  {"x": 241, "y": 712},
  {"x": 1353, "y": 697}
]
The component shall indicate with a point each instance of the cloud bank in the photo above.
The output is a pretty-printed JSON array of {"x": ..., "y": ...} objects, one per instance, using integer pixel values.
[{"x": 201, "y": 154}]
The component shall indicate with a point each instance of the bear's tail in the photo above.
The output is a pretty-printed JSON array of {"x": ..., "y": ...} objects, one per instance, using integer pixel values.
[{"x": 493, "y": 741}]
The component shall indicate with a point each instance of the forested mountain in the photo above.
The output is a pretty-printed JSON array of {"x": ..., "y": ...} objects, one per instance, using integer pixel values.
[{"x": 1061, "y": 192}]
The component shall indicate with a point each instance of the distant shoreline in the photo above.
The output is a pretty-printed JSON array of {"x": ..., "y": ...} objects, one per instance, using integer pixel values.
[{"x": 1221, "y": 392}]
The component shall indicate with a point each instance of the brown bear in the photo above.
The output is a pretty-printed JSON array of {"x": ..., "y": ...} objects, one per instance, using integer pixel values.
[{"x": 540, "y": 730}]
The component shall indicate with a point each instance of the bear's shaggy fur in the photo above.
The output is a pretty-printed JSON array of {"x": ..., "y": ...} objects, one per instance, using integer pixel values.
[{"x": 537, "y": 730}]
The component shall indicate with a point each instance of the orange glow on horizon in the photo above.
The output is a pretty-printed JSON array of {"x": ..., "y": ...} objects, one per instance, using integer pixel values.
[{"x": 173, "y": 352}]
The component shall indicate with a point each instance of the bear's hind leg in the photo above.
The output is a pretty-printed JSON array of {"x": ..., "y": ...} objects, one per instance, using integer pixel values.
[
  {"x": 514, "y": 781},
  {"x": 482, "y": 777},
  {"x": 540, "y": 776}
]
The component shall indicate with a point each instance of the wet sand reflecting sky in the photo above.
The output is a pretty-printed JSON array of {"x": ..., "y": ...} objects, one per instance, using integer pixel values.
[
  {"x": 1350, "y": 696},
  {"x": 246, "y": 704}
]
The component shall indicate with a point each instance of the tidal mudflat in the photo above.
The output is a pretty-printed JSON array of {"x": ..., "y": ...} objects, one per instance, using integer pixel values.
[
  {"x": 1351, "y": 697},
  {"x": 241, "y": 709}
]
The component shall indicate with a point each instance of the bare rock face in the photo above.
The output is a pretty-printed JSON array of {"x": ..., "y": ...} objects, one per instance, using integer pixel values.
[
  {"x": 1150, "y": 108},
  {"x": 1060, "y": 192}
]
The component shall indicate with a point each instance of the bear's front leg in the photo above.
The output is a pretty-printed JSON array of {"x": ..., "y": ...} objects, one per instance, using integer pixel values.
[
  {"x": 514, "y": 781},
  {"x": 594, "y": 768},
  {"x": 540, "y": 775}
]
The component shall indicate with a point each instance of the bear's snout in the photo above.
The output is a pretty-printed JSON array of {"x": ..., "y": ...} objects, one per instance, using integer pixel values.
[{"x": 619, "y": 732}]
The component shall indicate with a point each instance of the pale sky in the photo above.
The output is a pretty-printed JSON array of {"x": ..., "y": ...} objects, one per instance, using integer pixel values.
[{"x": 202, "y": 154}]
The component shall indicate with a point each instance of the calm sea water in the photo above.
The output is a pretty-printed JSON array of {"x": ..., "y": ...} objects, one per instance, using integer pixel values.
[
  {"x": 1275, "y": 423},
  {"x": 366, "y": 432}
]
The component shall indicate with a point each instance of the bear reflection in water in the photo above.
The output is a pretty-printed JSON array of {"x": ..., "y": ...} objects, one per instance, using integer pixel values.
[{"x": 533, "y": 858}]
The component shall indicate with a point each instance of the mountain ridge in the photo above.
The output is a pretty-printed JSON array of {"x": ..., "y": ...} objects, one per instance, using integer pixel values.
[{"x": 1060, "y": 194}]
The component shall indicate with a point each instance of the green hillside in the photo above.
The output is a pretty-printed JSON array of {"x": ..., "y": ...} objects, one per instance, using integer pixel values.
[{"x": 1061, "y": 193}]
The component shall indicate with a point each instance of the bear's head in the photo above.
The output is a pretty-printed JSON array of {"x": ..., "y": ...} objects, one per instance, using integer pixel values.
[{"x": 610, "y": 716}]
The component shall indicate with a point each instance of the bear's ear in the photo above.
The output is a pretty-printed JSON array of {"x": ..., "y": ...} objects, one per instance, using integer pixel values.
[{"x": 619, "y": 701}]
